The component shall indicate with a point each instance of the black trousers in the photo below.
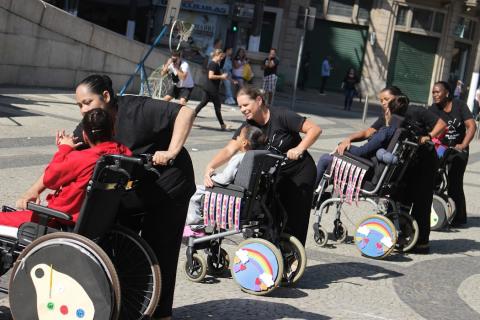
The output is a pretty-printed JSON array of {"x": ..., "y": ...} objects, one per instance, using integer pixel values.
[
  {"x": 324, "y": 82},
  {"x": 215, "y": 99},
  {"x": 457, "y": 165},
  {"x": 295, "y": 189},
  {"x": 162, "y": 229},
  {"x": 419, "y": 184}
]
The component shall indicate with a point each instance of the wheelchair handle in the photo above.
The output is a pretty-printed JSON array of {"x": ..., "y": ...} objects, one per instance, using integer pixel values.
[
  {"x": 119, "y": 157},
  {"x": 282, "y": 157}
]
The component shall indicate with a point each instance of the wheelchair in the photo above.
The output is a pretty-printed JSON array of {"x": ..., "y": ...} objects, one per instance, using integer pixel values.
[
  {"x": 443, "y": 207},
  {"x": 352, "y": 179},
  {"x": 94, "y": 269},
  {"x": 268, "y": 257}
]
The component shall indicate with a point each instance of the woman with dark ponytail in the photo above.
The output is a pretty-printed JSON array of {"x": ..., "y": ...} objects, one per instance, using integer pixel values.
[
  {"x": 160, "y": 128},
  {"x": 460, "y": 131}
]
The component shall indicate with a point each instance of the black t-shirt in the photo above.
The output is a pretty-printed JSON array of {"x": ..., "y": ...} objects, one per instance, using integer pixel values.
[
  {"x": 282, "y": 129},
  {"x": 350, "y": 82},
  {"x": 422, "y": 120},
  {"x": 212, "y": 85},
  {"x": 268, "y": 71},
  {"x": 455, "y": 120},
  {"x": 145, "y": 125}
]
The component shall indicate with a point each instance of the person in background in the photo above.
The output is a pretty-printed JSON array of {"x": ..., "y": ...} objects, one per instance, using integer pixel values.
[
  {"x": 179, "y": 71},
  {"x": 476, "y": 105},
  {"x": 227, "y": 83},
  {"x": 325, "y": 73},
  {"x": 217, "y": 44},
  {"x": 270, "y": 77},
  {"x": 460, "y": 131},
  {"x": 211, "y": 91},
  {"x": 457, "y": 93},
  {"x": 238, "y": 62},
  {"x": 305, "y": 68},
  {"x": 349, "y": 84}
]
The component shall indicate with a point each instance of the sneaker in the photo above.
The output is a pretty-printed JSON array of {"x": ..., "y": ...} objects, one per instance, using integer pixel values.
[
  {"x": 224, "y": 127},
  {"x": 230, "y": 101}
]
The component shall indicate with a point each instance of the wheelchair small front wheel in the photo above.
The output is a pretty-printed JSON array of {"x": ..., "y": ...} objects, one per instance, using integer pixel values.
[
  {"x": 438, "y": 213},
  {"x": 340, "y": 233},
  {"x": 257, "y": 266},
  {"x": 197, "y": 270},
  {"x": 408, "y": 233},
  {"x": 294, "y": 258},
  {"x": 218, "y": 262},
  {"x": 320, "y": 235}
]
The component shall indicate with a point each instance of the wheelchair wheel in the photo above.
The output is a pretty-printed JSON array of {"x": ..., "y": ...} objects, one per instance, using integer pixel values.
[
  {"x": 438, "y": 213},
  {"x": 198, "y": 270},
  {"x": 408, "y": 233},
  {"x": 63, "y": 275},
  {"x": 320, "y": 235},
  {"x": 340, "y": 233},
  {"x": 294, "y": 258},
  {"x": 375, "y": 236},
  {"x": 453, "y": 210},
  {"x": 257, "y": 266},
  {"x": 218, "y": 263},
  {"x": 138, "y": 270}
]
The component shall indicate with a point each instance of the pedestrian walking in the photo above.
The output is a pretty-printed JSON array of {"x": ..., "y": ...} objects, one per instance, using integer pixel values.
[
  {"x": 349, "y": 86},
  {"x": 325, "y": 72},
  {"x": 179, "y": 71},
  {"x": 270, "y": 77},
  {"x": 211, "y": 90}
]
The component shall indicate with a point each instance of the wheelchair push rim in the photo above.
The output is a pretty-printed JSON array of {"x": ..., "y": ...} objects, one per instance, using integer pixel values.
[
  {"x": 257, "y": 266},
  {"x": 408, "y": 232},
  {"x": 375, "y": 236},
  {"x": 294, "y": 258},
  {"x": 138, "y": 270},
  {"x": 58, "y": 292}
]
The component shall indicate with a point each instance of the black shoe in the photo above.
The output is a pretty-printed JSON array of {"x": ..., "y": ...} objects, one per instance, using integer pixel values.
[{"x": 420, "y": 249}]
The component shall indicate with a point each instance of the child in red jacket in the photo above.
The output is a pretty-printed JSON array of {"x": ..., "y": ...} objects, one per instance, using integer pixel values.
[{"x": 69, "y": 171}]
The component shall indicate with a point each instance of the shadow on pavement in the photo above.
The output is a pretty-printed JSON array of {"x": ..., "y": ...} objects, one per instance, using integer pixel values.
[
  {"x": 322, "y": 275},
  {"x": 240, "y": 309},
  {"x": 8, "y": 109},
  {"x": 449, "y": 246}
]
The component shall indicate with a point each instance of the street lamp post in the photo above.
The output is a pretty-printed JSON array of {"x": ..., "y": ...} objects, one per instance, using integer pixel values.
[{"x": 299, "y": 59}]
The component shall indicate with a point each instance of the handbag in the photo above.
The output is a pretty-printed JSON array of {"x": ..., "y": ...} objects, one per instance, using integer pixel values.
[{"x": 247, "y": 72}]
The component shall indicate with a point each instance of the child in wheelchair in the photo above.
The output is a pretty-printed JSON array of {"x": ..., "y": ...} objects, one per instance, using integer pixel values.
[
  {"x": 68, "y": 173},
  {"x": 250, "y": 138}
]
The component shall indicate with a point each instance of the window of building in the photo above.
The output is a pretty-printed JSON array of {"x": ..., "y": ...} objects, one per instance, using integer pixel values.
[
  {"x": 422, "y": 19},
  {"x": 318, "y": 4},
  {"x": 364, "y": 8},
  {"x": 465, "y": 28},
  {"x": 341, "y": 7},
  {"x": 438, "y": 22},
  {"x": 402, "y": 16}
]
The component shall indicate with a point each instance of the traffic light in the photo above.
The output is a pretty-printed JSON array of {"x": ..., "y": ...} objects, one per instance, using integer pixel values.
[{"x": 234, "y": 27}]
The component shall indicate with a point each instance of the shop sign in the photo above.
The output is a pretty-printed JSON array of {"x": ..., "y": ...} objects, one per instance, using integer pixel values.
[{"x": 200, "y": 6}]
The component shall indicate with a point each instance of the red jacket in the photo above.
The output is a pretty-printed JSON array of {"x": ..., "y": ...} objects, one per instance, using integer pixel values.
[{"x": 69, "y": 171}]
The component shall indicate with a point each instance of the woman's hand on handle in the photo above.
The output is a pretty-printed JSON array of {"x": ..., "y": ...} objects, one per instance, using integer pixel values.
[
  {"x": 295, "y": 153},
  {"x": 162, "y": 158}
]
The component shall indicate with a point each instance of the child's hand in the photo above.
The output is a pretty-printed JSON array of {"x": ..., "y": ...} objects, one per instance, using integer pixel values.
[
  {"x": 66, "y": 139},
  {"x": 207, "y": 179}
]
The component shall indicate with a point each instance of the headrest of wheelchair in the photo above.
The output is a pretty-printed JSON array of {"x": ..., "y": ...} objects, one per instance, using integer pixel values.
[
  {"x": 386, "y": 157},
  {"x": 396, "y": 120},
  {"x": 252, "y": 160}
]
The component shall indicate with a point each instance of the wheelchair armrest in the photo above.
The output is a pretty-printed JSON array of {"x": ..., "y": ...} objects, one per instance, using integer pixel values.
[
  {"x": 47, "y": 212},
  {"x": 231, "y": 187},
  {"x": 359, "y": 159}
]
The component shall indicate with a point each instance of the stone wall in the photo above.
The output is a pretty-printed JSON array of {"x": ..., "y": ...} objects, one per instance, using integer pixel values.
[{"x": 42, "y": 45}]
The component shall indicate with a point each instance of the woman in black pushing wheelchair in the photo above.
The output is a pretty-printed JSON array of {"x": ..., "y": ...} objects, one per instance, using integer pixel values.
[
  {"x": 282, "y": 128},
  {"x": 460, "y": 131},
  {"x": 159, "y": 128}
]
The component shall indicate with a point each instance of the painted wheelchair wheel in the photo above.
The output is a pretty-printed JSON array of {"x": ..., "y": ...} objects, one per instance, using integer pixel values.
[
  {"x": 257, "y": 266},
  {"x": 453, "y": 210},
  {"x": 438, "y": 213},
  {"x": 138, "y": 270},
  {"x": 294, "y": 258},
  {"x": 375, "y": 236},
  {"x": 64, "y": 275},
  {"x": 407, "y": 231}
]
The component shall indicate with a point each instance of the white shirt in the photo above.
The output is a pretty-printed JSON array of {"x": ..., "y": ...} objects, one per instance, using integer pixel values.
[{"x": 188, "y": 82}]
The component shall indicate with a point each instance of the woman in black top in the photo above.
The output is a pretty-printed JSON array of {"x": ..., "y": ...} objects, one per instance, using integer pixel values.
[
  {"x": 211, "y": 90},
  {"x": 349, "y": 82},
  {"x": 161, "y": 128},
  {"x": 461, "y": 128},
  {"x": 420, "y": 176},
  {"x": 282, "y": 128}
]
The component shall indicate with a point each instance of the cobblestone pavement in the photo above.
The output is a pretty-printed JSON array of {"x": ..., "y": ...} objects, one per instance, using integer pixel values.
[{"x": 338, "y": 282}]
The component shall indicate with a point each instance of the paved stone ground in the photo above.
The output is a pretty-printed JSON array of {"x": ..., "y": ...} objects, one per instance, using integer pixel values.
[{"x": 338, "y": 282}]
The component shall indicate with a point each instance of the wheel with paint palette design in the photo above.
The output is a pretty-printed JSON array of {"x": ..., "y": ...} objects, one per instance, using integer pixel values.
[
  {"x": 257, "y": 266},
  {"x": 375, "y": 236},
  {"x": 64, "y": 276}
]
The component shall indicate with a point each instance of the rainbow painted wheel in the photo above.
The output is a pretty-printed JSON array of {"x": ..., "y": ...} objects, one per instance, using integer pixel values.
[
  {"x": 257, "y": 266},
  {"x": 375, "y": 236}
]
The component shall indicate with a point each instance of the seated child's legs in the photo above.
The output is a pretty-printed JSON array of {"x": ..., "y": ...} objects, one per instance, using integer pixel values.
[
  {"x": 322, "y": 166},
  {"x": 194, "y": 223}
]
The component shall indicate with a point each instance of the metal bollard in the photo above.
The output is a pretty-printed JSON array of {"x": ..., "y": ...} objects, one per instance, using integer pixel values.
[{"x": 365, "y": 109}]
